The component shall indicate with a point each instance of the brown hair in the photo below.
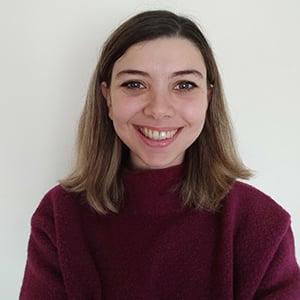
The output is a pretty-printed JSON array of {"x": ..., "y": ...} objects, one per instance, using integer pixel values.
[{"x": 211, "y": 163}]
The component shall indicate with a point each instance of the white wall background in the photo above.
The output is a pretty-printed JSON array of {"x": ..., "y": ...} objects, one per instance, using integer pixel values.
[{"x": 48, "y": 52}]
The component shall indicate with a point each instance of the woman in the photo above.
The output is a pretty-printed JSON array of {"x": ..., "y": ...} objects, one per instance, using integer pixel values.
[{"x": 153, "y": 208}]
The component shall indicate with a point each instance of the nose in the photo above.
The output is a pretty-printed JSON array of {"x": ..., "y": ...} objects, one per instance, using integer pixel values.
[{"x": 159, "y": 105}]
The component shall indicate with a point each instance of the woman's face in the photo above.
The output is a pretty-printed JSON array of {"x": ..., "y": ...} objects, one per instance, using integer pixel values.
[{"x": 158, "y": 100}]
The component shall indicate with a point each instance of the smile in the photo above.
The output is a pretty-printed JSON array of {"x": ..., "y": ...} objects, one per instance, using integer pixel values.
[{"x": 157, "y": 135}]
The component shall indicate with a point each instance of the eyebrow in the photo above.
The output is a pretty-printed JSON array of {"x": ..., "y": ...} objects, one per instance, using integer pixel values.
[
  {"x": 187, "y": 72},
  {"x": 175, "y": 74},
  {"x": 132, "y": 72}
]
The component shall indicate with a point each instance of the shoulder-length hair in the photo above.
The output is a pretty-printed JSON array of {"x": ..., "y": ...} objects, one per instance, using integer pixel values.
[{"x": 211, "y": 163}]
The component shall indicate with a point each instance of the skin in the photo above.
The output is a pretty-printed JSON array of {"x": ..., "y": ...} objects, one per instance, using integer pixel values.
[{"x": 158, "y": 100}]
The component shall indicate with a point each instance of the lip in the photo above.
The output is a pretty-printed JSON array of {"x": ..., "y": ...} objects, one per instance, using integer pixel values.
[{"x": 158, "y": 143}]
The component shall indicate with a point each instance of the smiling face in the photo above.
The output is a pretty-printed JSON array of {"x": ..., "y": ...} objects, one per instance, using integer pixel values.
[{"x": 158, "y": 100}]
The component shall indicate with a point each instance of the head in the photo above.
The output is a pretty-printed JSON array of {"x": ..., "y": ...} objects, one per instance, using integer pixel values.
[
  {"x": 210, "y": 159},
  {"x": 149, "y": 26}
]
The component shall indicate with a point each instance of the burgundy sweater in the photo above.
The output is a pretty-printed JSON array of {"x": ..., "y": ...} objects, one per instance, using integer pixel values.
[{"x": 154, "y": 249}]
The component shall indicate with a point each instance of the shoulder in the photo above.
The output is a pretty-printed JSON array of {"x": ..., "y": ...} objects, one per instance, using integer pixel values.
[
  {"x": 58, "y": 192},
  {"x": 57, "y": 196},
  {"x": 258, "y": 230},
  {"x": 245, "y": 198},
  {"x": 251, "y": 211},
  {"x": 56, "y": 203}
]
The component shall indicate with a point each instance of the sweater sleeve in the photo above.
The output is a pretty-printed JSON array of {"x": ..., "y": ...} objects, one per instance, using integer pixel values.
[
  {"x": 282, "y": 277},
  {"x": 42, "y": 278}
]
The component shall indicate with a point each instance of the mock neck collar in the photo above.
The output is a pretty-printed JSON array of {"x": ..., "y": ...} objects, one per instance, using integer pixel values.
[{"x": 152, "y": 191}]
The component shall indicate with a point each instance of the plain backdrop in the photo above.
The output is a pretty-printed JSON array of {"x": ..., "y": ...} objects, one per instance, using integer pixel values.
[{"x": 48, "y": 52}]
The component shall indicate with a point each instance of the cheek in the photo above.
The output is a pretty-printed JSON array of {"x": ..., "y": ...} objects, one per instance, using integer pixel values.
[
  {"x": 121, "y": 111},
  {"x": 195, "y": 113},
  {"x": 117, "y": 114}
]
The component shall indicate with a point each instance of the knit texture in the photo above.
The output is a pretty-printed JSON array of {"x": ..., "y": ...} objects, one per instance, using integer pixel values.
[{"x": 155, "y": 249}]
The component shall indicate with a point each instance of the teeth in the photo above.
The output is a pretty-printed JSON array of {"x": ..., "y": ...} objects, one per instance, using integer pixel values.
[{"x": 157, "y": 135}]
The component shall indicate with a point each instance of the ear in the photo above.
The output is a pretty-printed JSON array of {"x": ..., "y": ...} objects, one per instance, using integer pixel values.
[
  {"x": 210, "y": 89},
  {"x": 106, "y": 94}
]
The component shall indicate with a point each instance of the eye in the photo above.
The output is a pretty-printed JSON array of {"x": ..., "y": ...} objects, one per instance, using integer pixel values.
[
  {"x": 185, "y": 85},
  {"x": 133, "y": 85}
]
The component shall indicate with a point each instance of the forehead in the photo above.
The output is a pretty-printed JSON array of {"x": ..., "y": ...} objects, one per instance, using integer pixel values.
[{"x": 162, "y": 54}]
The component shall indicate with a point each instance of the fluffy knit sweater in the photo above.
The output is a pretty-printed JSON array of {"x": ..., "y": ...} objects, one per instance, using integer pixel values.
[{"x": 155, "y": 249}]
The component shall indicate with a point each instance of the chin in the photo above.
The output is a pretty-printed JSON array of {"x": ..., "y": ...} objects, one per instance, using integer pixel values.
[{"x": 156, "y": 164}]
